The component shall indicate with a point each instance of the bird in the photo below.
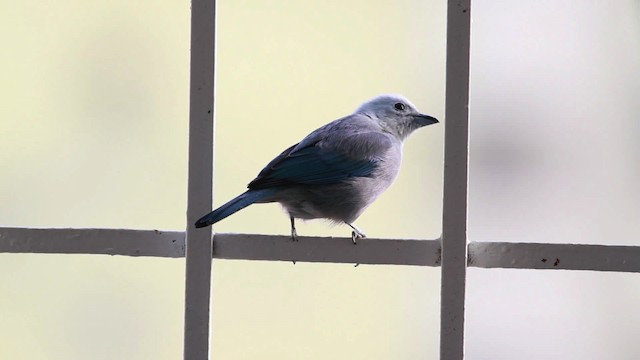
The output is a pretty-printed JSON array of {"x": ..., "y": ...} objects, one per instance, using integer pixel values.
[{"x": 336, "y": 171}]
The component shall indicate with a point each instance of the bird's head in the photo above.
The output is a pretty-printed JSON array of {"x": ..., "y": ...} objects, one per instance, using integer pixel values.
[{"x": 395, "y": 114}]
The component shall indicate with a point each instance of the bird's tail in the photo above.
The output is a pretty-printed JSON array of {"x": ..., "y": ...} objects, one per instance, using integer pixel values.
[{"x": 238, "y": 203}]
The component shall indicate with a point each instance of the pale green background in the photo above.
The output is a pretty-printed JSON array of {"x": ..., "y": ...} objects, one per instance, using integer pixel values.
[{"x": 94, "y": 124}]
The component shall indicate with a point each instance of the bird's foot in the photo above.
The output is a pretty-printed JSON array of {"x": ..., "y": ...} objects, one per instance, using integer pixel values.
[{"x": 355, "y": 235}]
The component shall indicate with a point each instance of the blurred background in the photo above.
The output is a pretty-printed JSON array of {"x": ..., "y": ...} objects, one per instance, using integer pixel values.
[
  {"x": 554, "y": 157},
  {"x": 94, "y": 117}
]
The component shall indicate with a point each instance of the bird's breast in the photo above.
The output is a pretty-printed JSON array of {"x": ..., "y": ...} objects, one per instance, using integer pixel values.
[{"x": 387, "y": 169}]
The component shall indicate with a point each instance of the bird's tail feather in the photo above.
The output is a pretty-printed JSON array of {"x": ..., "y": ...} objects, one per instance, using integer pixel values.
[{"x": 238, "y": 203}]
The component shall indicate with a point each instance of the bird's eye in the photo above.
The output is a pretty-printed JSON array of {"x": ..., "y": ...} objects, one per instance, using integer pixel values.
[{"x": 399, "y": 106}]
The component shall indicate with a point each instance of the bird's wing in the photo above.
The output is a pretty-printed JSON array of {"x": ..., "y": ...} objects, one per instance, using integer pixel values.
[{"x": 325, "y": 161}]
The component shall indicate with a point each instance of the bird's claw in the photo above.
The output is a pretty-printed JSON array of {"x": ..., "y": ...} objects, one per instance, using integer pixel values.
[{"x": 355, "y": 235}]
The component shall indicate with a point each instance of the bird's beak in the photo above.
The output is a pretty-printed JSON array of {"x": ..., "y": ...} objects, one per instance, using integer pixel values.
[{"x": 424, "y": 120}]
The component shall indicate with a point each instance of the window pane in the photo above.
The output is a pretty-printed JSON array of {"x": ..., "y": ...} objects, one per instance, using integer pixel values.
[
  {"x": 94, "y": 114},
  {"x": 90, "y": 307},
  {"x": 278, "y": 310},
  {"x": 554, "y": 122},
  {"x": 298, "y": 67},
  {"x": 533, "y": 314}
]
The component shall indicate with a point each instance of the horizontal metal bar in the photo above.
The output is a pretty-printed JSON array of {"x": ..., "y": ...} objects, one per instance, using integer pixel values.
[
  {"x": 327, "y": 249},
  {"x": 554, "y": 256},
  {"x": 320, "y": 249},
  {"x": 226, "y": 246},
  {"x": 93, "y": 241}
]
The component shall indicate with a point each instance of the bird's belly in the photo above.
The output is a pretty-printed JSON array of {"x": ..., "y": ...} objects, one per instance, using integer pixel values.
[{"x": 343, "y": 202}]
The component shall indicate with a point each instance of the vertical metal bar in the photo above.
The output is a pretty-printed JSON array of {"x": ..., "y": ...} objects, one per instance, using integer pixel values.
[
  {"x": 198, "y": 250},
  {"x": 454, "y": 223}
]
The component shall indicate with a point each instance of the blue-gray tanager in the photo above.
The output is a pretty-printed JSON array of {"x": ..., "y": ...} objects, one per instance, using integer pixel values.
[{"x": 337, "y": 171}]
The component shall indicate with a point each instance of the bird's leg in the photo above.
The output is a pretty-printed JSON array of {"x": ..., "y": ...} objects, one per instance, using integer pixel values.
[
  {"x": 356, "y": 234},
  {"x": 294, "y": 233}
]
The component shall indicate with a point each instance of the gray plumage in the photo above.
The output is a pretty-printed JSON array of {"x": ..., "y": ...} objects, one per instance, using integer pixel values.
[{"x": 338, "y": 170}]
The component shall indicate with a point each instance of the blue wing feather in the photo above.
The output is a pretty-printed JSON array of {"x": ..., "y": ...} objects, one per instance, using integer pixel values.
[{"x": 315, "y": 164}]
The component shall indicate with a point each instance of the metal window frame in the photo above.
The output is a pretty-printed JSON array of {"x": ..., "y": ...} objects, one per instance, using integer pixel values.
[{"x": 453, "y": 252}]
